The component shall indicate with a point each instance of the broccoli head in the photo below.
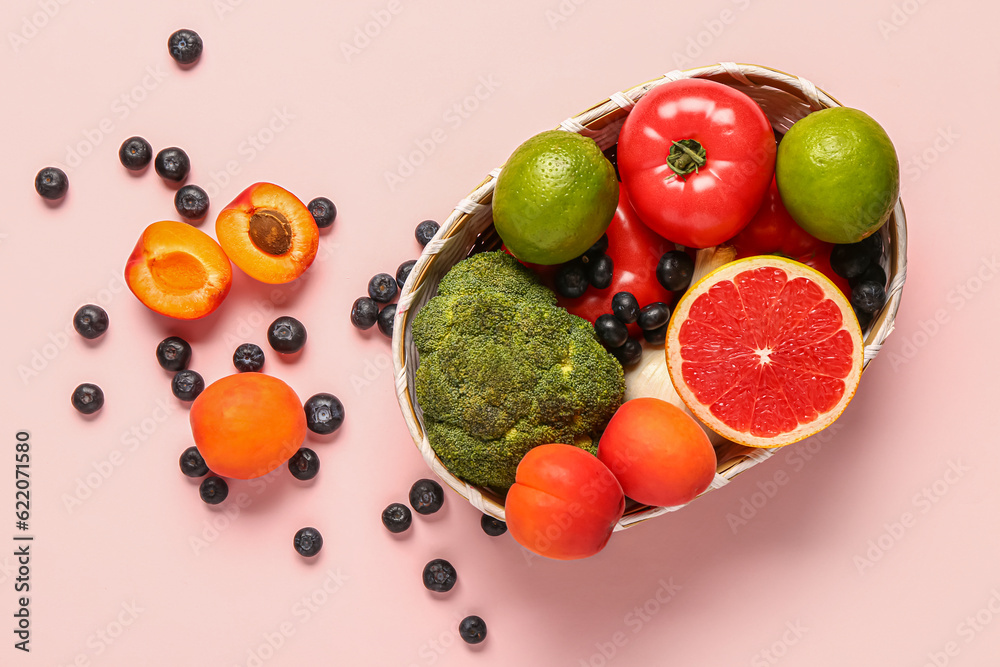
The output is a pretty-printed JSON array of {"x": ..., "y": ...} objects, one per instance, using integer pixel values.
[{"x": 503, "y": 369}]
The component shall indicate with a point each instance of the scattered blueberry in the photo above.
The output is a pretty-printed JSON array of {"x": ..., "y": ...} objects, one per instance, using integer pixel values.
[
  {"x": 185, "y": 46},
  {"x": 135, "y": 153},
  {"x": 874, "y": 273},
  {"x": 308, "y": 542},
  {"x": 173, "y": 353},
  {"x": 628, "y": 354},
  {"x": 364, "y": 313},
  {"x": 599, "y": 248},
  {"x": 191, "y": 203},
  {"x": 610, "y": 331},
  {"x": 172, "y": 164},
  {"x": 472, "y": 629},
  {"x": 657, "y": 336},
  {"x": 88, "y": 398},
  {"x": 193, "y": 463},
  {"x": 439, "y": 576},
  {"x": 600, "y": 272},
  {"x": 868, "y": 297},
  {"x": 248, "y": 358},
  {"x": 850, "y": 260},
  {"x": 304, "y": 464},
  {"x": 286, "y": 335},
  {"x": 571, "y": 279},
  {"x": 213, "y": 490},
  {"x": 187, "y": 384},
  {"x": 386, "y": 319},
  {"x": 674, "y": 270},
  {"x": 382, "y": 288},
  {"x": 426, "y": 496},
  {"x": 403, "y": 272},
  {"x": 90, "y": 321},
  {"x": 51, "y": 183},
  {"x": 654, "y": 316},
  {"x": 625, "y": 307},
  {"x": 324, "y": 413},
  {"x": 397, "y": 517},
  {"x": 492, "y": 526},
  {"x": 324, "y": 212},
  {"x": 425, "y": 231}
]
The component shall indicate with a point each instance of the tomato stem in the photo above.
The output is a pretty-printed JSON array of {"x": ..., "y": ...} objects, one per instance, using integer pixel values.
[{"x": 685, "y": 156}]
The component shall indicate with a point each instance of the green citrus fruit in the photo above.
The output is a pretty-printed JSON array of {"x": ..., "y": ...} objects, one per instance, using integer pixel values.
[
  {"x": 838, "y": 174},
  {"x": 555, "y": 197}
]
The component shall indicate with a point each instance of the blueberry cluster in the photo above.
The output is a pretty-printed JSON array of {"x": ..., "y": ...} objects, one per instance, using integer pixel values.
[
  {"x": 861, "y": 264},
  {"x": 594, "y": 268}
]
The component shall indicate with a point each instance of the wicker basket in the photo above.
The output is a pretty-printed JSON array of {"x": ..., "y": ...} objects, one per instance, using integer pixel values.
[{"x": 783, "y": 97}]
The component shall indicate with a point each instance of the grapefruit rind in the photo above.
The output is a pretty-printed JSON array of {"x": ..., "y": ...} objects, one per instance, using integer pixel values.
[{"x": 702, "y": 411}]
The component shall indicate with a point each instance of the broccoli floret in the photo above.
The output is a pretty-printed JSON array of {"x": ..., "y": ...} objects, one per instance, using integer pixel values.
[{"x": 503, "y": 369}]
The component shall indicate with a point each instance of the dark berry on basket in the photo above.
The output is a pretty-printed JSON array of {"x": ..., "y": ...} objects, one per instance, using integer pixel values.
[
  {"x": 610, "y": 331},
  {"x": 185, "y": 46},
  {"x": 173, "y": 353},
  {"x": 193, "y": 463},
  {"x": 611, "y": 153},
  {"x": 598, "y": 249},
  {"x": 874, "y": 274},
  {"x": 426, "y": 496},
  {"x": 403, "y": 272},
  {"x": 286, "y": 335},
  {"x": 864, "y": 319},
  {"x": 386, "y": 319},
  {"x": 248, "y": 358},
  {"x": 868, "y": 297},
  {"x": 308, "y": 542},
  {"x": 364, "y": 313},
  {"x": 425, "y": 231},
  {"x": 654, "y": 316},
  {"x": 382, "y": 288},
  {"x": 873, "y": 245},
  {"x": 656, "y": 336},
  {"x": 135, "y": 153},
  {"x": 88, "y": 398},
  {"x": 439, "y": 576},
  {"x": 625, "y": 307},
  {"x": 324, "y": 211},
  {"x": 571, "y": 279},
  {"x": 213, "y": 490},
  {"x": 850, "y": 260},
  {"x": 90, "y": 321},
  {"x": 172, "y": 164},
  {"x": 397, "y": 517},
  {"x": 600, "y": 272},
  {"x": 187, "y": 384},
  {"x": 674, "y": 270},
  {"x": 472, "y": 629},
  {"x": 492, "y": 526},
  {"x": 324, "y": 413},
  {"x": 304, "y": 464},
  {"x": 628, "y": 354},
  {"x": 191, "y": 202},
  {"x": 51, "y": 183}
]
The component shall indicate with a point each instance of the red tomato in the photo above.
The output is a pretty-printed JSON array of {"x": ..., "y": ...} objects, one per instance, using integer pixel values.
[
  {"x": 773, "y": 231},
  {"x": 697, "y": 157}
]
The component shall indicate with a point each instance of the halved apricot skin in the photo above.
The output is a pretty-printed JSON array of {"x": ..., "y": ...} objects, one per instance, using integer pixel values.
[
  {"x": 178, "y": 271},
  {"x": 248, "y": 424},
  {"x": 269, "y": 233}
]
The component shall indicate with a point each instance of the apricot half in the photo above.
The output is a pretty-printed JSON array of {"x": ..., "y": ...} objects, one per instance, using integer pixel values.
[
  {"x": 269, "y": 233},
  {"x": 178, "y": 271},
  {"x": 248, "y": 424}
]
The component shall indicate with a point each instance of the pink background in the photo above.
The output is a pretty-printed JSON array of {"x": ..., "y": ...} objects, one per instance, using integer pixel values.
[{"x": 870, "y": 552}]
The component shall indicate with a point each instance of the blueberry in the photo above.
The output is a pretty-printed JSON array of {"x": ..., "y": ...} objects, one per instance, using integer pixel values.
[
  {"x": 193, "y": 463},
  {"x": 874, "y": 273},
  {"x": 173, "y": 354},
  {"x": 426, "y": 496},
  {"x": 386, "y": 319},
  {"x": 248, "y": 358},
  {"x": 324, "y": 212},
  {"x": 472, "y": 629},
  {"x": 308, "y": 542},
  {"x": 213, "y": 490},
  {"x": 600, "y": 271},
  {"x": 654, "y": 316},
  {"x": 51, "y": 183},
  {"x": 187, "y": 384},
  {"x": 850, "y": 260},
  {"x": 873, "y": 245},
  {"x": 868, "y": 297},
  {"x": 397, "y": 517},
  {"x": 403, "y": 272},
  {"x": 425, "y": 231},
  {"x": 611, "y": 153},
  {"x": 364, "y": 313},
  {"x": 324, "y": 413},
  {"x": 191, "y": 203},
  {"x": 610, "y": 331},
  {"x": 628, "y": 354},
  {"x": 172, "y": 164},
  {"x": 674, "y": 270},
  {"x": 304, "y": 464},
  {"x": 864, "y": 319},
  {"x": 286, "y": 335},
  {"x": 88, "y": 398},
  {"x": 185, "y": 46},
  {"x": 625, "y": 307},
  {"x": 90, "y": 321},
  {"x": 135, "y": 153},
  {"x": 657, "y": 336},
  {"x": 492, "y": 526},
  {"x": 599, "y": 248},
  {"x": 571, "y": 279},
  {"x": 439, "y": 576},
  {"x": 382, "y": 288}
]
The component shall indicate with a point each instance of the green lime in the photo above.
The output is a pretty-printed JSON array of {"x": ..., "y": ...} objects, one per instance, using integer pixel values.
[
  {"x": 838, "y": 174},
  {"x": 554, "y": 198}
]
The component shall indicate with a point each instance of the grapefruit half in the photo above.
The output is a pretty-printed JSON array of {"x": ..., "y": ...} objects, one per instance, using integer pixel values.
[{"x": 765, "y": 351}]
